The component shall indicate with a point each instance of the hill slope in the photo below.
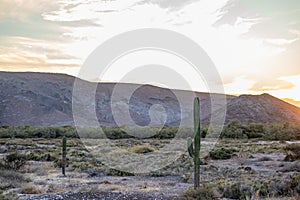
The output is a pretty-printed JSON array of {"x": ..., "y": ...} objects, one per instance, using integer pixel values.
[
  {"x": 43, "y": 99},
  {"x": 261, "y": 108}
]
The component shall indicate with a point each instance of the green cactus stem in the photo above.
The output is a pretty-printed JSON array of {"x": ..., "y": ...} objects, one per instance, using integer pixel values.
[
  {"x": 194, "y": 149},
  {"x": 64, "y": 154}
]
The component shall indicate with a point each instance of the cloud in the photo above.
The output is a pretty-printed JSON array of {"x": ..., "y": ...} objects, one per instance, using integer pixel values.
[
  {"x": 79, "y": 23},
  {"x": 273, "y": 18},
  {"x": 269, "y": 85},
  {"x": 232, "y": 11},
  {"x": 292, "y": 101},
  {"x": 31, "y": 54},
  {"x": 169, "y": 4},
  {"x": 30, "y": 20},
  {"x": 286, "y": 63},
  {"x": 246, "y": 39},
  {"x": 276, "y": 28}
]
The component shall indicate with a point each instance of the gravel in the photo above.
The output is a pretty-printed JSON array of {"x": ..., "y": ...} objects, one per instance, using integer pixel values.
[{"x": 99, "y": 195}]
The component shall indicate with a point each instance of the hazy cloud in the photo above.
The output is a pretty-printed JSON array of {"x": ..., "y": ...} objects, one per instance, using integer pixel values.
[
  {"x": 234, "y": 9},
  {"x": 275, "y": 24},
  {"x": 292, "y": 101},
  {"x": 170, "y": 4},
  {"x": 23, "y": 53},
  {"x": 269, "y": 85},
  {"x": 252, "y": 42}
]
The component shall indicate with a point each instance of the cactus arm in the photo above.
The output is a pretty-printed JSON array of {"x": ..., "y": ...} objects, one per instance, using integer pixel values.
[{"x": 190, "y": 147}]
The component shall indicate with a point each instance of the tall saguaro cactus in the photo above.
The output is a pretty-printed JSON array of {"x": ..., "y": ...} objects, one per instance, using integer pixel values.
[
  {"x": 194, "y": 149},
  {"x": 64, "y": 154}
]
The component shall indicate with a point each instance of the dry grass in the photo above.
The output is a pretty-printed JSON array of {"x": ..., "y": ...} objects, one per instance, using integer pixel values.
[
  {"x": 141, "y": 149},
  {"x": 10, "y": 179},
  {"x": 31, "y": 190}
]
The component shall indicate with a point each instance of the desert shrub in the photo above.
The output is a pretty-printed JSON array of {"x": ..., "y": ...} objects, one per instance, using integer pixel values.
[
  {"x": 166, "y": 132},
  {"x": 115, "y": 172},
  {"x": 9, "y": 197},
  {"x": 57, "y": 162},
  {"x": 222, "y": 154},
  {"x": 213, "y": 131},
  {"x": 115, "y": 132},
  {"x": 291, "y": 167},
  {"x": 265, "y": 158},
  {"x": 30, "y": 190},
  {"x": 253, "y": 130},
  {"x": 278, "y": 187},
  {"x": 234, "y": 130},
  {"x": 282, "y": 132},
  {"x": 10, "y": 179},
  {"x": 36, "y": 132},
  {"x": 40, "y": 156},
  {"x": 205, "y": 191},
  {"x": 237, "y": 191},
  {"x": 279, "y": 131},
  {"x": 292, "y": 152},
  {"x": 13, "y": 161},
  {"x": 141, "y": 149},
  {"x": 285, "y": 187}
]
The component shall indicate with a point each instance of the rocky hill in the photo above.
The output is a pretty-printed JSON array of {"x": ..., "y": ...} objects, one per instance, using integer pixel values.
[
  {"x": 261, "y": 108},
  {"x": 44, "y": 99}
]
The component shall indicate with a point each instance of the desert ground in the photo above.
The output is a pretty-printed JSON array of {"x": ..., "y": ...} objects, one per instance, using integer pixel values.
[{"x": 232, "y": 169}]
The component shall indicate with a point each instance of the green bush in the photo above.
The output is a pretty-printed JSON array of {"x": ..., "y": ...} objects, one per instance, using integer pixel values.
[
  {"x": 292, "y": 152},
  {"x": 205, "y": 192},
  {"x": 40, "y": 156},
  {"x": 222, "y": 154},
  {"x": 234, "y": 130},
  {"x": 13, "y": 161}
]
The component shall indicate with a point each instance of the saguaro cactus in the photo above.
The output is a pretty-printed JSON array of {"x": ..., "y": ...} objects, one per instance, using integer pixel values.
[
  {"x": 194, "y": 149},
  {"x": 64, "y": 154}
]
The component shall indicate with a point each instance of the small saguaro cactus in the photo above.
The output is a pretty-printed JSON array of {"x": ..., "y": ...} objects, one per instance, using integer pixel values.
[
  {"x": 64, "y": 154},
  {"x": 194, "y": 149}
]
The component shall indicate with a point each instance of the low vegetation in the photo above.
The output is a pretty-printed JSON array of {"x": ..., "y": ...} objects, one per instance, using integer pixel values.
[
  {"x": 222, "y": 154},
  {"x": 142, "y": 149},
  {"x": 292, "y": 152},
  {"x": 13, "y": 161},
  {"x": 258, "y": 189},
  {"x": 250, "y": 161},
  {"x": 234, "y": 130}
]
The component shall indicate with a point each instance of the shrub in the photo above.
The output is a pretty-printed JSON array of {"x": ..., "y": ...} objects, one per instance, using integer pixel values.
[
  {"x": 222, "y": 154},
  {"x": 234, "y": 130},
  {"x": 115, "y": 172},
  {"x": 30, "y": 190},
  {"x": 282, "y": 132},
  {"x": 141, "y": 149},
  {"x": 292, "y": 152},
  {"x": 237, "y": 191},
  {"x": 13, "y": 161},
  {"x": 291, "y": 167},
  {"x": 265, "y": 158},
  {"x": 40, "y": 156},
  {"x": 10, "y": 179},
  {"x": 204, "y": 192}
]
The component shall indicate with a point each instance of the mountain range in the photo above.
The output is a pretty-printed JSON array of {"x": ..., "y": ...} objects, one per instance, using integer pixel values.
[{"x": 45, "y": 99}]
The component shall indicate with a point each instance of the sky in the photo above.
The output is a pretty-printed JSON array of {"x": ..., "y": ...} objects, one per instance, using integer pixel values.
[{"x": 254, "y": 44}]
